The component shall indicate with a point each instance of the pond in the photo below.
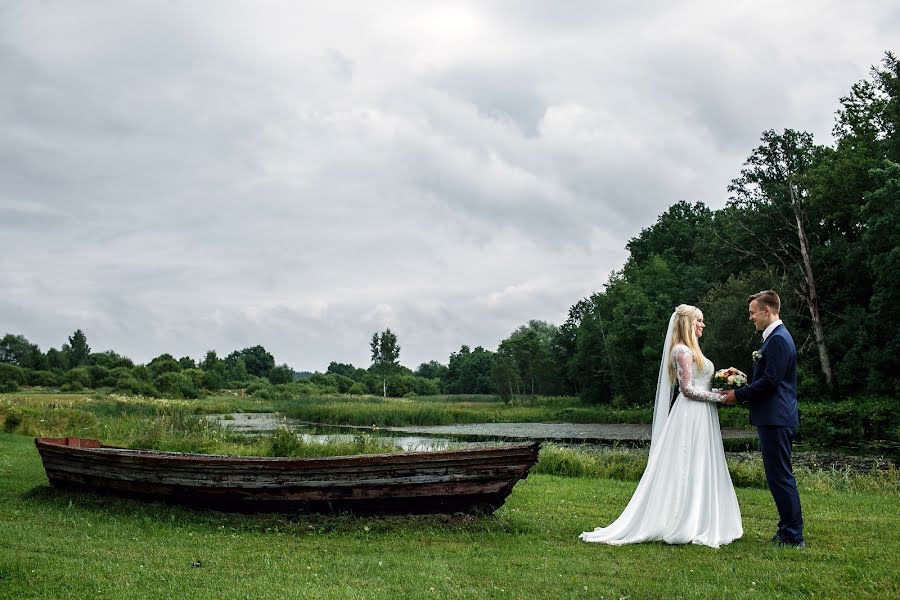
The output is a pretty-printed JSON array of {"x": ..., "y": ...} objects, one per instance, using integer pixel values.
[
  {"x": 594, "y": 437},
  {"x": 422, "y": 436},
  {"x": 265, "y": 423}
]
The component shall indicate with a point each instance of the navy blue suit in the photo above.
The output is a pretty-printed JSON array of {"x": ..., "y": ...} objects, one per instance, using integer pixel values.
[{"x": 772, "y": 397}]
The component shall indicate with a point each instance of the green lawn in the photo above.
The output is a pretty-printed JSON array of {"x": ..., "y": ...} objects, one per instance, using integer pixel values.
[{"x": 57, "y": 545}]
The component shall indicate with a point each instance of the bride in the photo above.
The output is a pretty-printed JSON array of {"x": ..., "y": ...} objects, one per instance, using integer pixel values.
[{"x": 685, "y": 494}]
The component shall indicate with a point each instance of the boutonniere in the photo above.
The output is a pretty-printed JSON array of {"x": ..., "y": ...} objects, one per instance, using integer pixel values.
[{"x": 756, "y": 355}]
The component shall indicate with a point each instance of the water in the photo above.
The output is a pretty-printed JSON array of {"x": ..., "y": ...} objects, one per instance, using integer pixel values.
[
  {"x": 587, "y": 436},
  {"x": 421, "y": 436},
  {"x": 266, "y": 423}
]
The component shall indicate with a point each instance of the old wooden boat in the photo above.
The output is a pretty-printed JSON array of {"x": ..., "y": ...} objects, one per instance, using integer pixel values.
[{"x": 444, "y": 481}]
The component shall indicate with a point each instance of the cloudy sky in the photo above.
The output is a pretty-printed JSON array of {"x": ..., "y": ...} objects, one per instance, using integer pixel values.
[{"x": 183, "y": 176}]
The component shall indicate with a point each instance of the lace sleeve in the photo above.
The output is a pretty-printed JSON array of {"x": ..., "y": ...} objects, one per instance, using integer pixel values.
[{"x": 683, "y": 358}]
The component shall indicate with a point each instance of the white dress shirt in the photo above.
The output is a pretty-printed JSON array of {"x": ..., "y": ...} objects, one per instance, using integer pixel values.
[{"x": 768, "y": 330}]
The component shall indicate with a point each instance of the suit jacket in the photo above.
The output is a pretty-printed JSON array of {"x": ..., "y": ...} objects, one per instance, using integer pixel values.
[{"x": 772, "y": 392}]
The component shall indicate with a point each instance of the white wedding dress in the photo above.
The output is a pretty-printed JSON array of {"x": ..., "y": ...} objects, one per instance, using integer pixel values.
[{"x": 685, "y": 494}]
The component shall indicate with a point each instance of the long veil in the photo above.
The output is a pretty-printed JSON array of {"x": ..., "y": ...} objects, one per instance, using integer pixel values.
[{"x": 663, "y": 388}]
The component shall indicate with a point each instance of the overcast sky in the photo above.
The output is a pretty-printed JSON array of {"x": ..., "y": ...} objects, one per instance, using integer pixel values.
[{"x": 184, "y": 176}]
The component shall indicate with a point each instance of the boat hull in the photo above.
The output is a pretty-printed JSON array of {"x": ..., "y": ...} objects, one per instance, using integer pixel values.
[{"x": 472, "y": 480}]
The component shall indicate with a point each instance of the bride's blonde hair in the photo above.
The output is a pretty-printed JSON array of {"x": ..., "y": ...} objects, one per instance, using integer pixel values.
[{"x": 683, "y": 333}]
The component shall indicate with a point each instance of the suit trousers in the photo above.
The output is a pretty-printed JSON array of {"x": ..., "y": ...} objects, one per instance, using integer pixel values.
[{"x": 775, "y": 447}]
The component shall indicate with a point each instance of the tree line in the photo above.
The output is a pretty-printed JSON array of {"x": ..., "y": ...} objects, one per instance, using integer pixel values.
[{"x": 818, "y": 223}]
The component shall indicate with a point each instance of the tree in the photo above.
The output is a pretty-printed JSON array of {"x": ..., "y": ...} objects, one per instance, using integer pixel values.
[
  {"x": 882, "y": 239},
  {"x": 164, "y": 363},
  {"x": 869, "y": 117},
  {"x": 215, "y": 371},
  {"x": 773, "y": 188},
  {"x": 432, "y": 370},
  {"x": 347, "y": 370},
  {"x": 57, "y": 360},
  {"x": 17, "y": 350},
  {"x": 78, "y": 349},
  {"x": 505, "y": 376},
  {"x": 11, "y": 376},
  {"x": 530, "y": 347},
  {"x": 469, "y": 371},
  {"x": 385, "y": 356},
  {"x": 592, "y": 364},
  {"x": 212, "y": 362},
  {"x": 110, "y": 360},
  {"x": 565, "y": 345},
  {"x": 281, "y": 374},
  {"x": 258, "y": 361},
  {"x": 235, "y": 369}
]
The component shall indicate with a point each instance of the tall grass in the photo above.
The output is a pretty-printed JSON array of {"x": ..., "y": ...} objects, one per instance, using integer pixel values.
[
  {"x": 628, "y": 465},
  {"x": 153, "y": 423},
  {"x": 394, "y": 412},
  {"x": 160, "y": 424},
  {"x": 285, "y": 442}
]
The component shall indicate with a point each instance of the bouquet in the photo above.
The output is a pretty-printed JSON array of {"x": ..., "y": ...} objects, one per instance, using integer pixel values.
[{"x": 729, "y": 379}]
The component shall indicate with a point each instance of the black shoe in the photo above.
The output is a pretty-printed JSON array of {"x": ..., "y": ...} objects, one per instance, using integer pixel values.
[
  {"x": 775, "y": 540},
  {"x": 799, "y": 545}
]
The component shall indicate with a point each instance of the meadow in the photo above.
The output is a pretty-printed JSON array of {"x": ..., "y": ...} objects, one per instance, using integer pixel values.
[{"x": 55, "y": 544}]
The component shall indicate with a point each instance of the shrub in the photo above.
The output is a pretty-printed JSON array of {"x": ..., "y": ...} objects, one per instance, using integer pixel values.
[
  {"x": 127, "y": 384},
  {"x": 11, "y": 377},
  {"x": 285, "y": 442},
  {"x": 196, "y": 377},
  {"x": 357, "y": 389},
  {"x": 42, "y": 378},
  {"x": 76, "y": 379},
  {"x": 258, "y": 388},
  {"x": 871, "y": 424},
  {"x": 212, "y": 381},
  {"x": 176, "y": 385},
  {"x": 281, "y": 374},
  {"x": 12, "y": 422},
  {"x": 101, "y": 377}
]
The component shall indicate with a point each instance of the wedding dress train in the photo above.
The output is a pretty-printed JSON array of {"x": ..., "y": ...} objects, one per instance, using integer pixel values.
[{"x": 685, "y": 494}]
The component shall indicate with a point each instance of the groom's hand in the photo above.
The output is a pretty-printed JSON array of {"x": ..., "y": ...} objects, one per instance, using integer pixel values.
[{"x": 729, "y": 400}]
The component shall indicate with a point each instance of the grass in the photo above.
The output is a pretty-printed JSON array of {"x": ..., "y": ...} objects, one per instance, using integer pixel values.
[
  {"x": 392, "y": 412},
  {"x": 625, "y": 464},
  {"x": 452, "y": 410},
  {"x": 62, "y": 545},
  {"x": 179, "y": 425},
  {"x": 55, "y": 545},
  {"x": 362, "y": 410},
  {"x": 152, "y": 423}
]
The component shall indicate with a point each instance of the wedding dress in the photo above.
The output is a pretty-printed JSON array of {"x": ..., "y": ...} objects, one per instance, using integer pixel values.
[{"x": 685, "y": 494}]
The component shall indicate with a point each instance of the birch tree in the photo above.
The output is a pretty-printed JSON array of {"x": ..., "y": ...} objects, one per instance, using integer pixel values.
[{"x": 769, "y": 227}]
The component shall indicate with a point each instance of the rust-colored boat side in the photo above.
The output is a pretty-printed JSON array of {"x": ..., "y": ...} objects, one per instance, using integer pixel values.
[{"x": 417, "y": 482}]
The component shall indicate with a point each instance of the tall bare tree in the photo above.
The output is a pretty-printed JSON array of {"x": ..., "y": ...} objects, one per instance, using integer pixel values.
[{"x": 771, "y": 192}]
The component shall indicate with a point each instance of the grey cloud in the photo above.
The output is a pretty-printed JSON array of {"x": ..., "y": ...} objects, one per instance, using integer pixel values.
[{"x": 497, "y": 92}]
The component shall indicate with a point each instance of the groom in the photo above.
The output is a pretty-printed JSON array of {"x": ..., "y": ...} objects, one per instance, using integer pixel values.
[{"x": 772, "y": 397}]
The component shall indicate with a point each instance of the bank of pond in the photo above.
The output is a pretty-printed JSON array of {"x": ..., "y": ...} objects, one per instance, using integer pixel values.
[{"x": 866, "y": 428}]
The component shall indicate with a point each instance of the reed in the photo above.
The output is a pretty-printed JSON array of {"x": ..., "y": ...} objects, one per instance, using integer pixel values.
[{"x": 626, "y": 464}]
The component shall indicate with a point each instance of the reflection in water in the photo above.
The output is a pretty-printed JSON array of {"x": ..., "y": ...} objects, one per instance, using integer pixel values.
[
  {"x": 266, "y": 423},
  {"x": 405, "y": 443}
]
